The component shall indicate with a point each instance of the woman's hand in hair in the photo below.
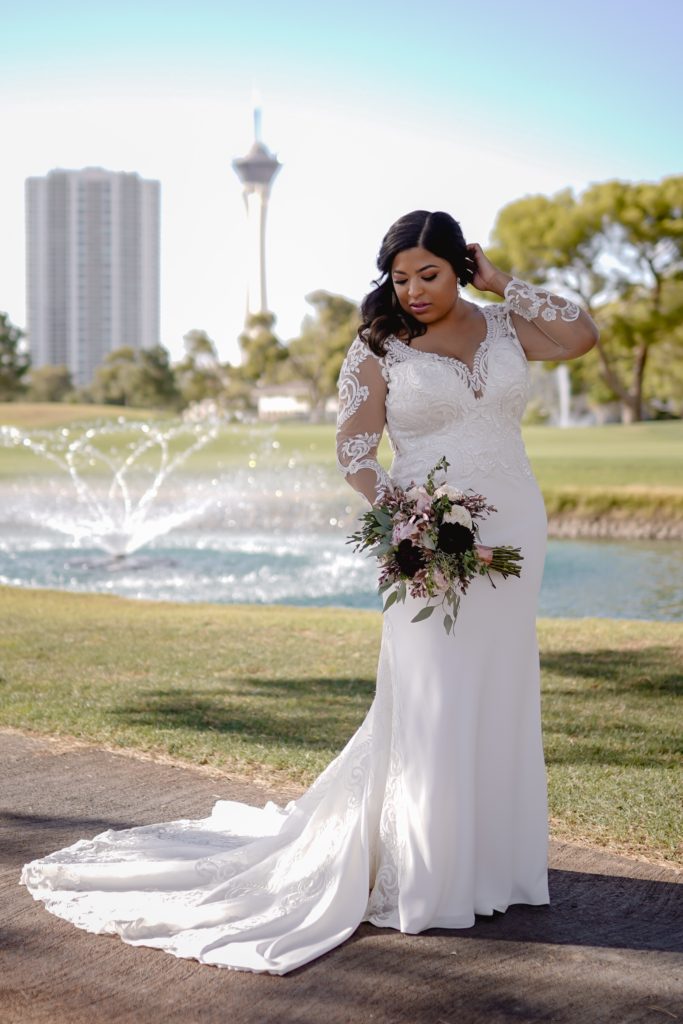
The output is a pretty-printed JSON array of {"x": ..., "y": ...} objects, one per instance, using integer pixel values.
[{"x": 487, "y": 277}]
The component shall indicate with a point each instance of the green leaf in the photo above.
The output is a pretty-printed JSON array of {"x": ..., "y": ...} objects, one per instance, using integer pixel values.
[
  {"x": 383, "y": 518},
  {"x": 393, "y": 597},
  {"x": 448, "y": 622},
  {"x": 424, "y": 613}
]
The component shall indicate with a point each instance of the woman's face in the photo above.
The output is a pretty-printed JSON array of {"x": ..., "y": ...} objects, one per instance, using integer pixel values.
[{"x": 425, "y": 285}]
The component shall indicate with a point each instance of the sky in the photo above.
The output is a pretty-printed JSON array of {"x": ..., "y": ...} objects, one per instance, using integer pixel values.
[{"x": 373, "y": 108}]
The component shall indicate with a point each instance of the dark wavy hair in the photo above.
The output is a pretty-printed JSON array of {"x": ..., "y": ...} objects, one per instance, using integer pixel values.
[{"x": 439, "y": 233}]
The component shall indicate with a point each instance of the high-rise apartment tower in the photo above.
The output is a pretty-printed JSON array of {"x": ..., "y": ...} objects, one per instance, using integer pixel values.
[{"x": 92, "y": 267}]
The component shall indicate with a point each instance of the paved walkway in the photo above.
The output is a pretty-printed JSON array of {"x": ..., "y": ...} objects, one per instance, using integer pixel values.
[{"x": 607, "y": 951}]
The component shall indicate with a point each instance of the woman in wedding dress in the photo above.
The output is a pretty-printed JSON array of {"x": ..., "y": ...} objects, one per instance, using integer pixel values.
[{"x": 435, "y": 811}]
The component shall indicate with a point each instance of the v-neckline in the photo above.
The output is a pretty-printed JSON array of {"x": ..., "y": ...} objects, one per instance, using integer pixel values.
[{"x": 472, "y": 372}]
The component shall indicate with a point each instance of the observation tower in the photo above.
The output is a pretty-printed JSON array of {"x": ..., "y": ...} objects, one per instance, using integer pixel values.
[{"x": 257, "y": 171}]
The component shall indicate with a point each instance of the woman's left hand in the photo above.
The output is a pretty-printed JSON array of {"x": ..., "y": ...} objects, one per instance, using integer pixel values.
[{"x": 487, "y": 278}]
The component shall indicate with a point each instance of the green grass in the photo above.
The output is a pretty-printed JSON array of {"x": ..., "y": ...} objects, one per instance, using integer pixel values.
[
  {"x": 633, "y": 455},
  {"x": 636, "y": 456},
  {"x": 277, "y": 691},
  {"x": 46, "y": 415},
  {"x": 611, "y": 473}
]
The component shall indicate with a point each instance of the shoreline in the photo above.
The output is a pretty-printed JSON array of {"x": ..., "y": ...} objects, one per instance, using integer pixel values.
[{"x": 572, "y": 527}]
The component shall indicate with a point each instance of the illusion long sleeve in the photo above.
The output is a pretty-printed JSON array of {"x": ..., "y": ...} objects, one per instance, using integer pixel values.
[
  {"x": 563, "y": 322},
  {"x": 361, "y": 420},
  {"x": 534, "y": 303}
]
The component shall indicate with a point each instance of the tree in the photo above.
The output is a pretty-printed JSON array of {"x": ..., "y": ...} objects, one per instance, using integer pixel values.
[
  {"x": 14, "y": 360},
  {"x": 316, "y": 356},
  {"x": 157, "y": 388},
  {"x": 262, "y": 350},
  {"x": 49, "y": 384},
  {"x": 619, "y": 248},
  {"x": 199, "y": 375},
  {"x": 136, "y": 378}
]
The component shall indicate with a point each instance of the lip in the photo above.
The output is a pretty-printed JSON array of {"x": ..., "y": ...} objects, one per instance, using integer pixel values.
[{"x": 419, "y": 307}]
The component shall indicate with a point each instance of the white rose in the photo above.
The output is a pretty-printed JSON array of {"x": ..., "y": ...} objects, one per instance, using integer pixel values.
[
  {"x": 420, "y": 496},
  {"x": 449, "y": 492},
  {"x": 458, "y": 514}
]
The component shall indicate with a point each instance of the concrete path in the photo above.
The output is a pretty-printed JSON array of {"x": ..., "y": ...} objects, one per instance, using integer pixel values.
[{"x": 609, "y": 950}]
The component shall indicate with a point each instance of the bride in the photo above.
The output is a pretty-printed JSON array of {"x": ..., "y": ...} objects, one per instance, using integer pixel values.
[{"x": 435, "y": 811}]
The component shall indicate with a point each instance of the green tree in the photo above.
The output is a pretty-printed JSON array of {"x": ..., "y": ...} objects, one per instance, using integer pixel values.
[
  {"x": 200, "y": 375},
  {"x": 316, "y": 356},
  {"x": 49, "y": 384},
  {"x": 619, "y": 247},
  {"x": 157, "y": 388},
  {"x": 15, "y": 361},
  {"x": 141, "y": 378},
  {"x": 262, "y": 350}
]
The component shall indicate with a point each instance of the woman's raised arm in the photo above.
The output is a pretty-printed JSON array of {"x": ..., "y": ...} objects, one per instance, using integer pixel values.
[{"x": 547, "y": 325}]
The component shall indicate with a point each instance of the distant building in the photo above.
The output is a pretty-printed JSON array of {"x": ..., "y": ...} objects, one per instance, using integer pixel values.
[
  {"x": 282, "y": 401},
  {"x": 92, "y": 267},
  {"x": 289, "y": 401}
]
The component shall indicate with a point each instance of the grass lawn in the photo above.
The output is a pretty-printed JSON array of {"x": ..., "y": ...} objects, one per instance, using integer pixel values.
[
  {"x": 276, "y": 691},
  {"x": 46, "y": 415},
  {"x": 634, "y": 456}
]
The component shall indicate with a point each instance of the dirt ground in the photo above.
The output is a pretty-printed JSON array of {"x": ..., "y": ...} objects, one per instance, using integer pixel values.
[{"x": 608, "y": 950}]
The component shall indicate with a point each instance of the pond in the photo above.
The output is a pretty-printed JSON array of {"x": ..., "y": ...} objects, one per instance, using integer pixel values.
[{"x": 607, "y": 579}]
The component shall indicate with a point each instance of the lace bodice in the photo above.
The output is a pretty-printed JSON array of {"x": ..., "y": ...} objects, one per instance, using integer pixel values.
[{"x": 435, "y": 405}]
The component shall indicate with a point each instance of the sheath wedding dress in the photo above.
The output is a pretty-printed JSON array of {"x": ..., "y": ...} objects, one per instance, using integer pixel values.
[{"x": 436, "y": 808}]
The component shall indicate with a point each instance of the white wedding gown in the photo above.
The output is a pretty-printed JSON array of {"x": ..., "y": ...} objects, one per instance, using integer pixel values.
[{"x": 436, "y": 808}]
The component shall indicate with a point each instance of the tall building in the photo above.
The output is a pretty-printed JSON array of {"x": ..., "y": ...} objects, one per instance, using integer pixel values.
[
  {"x": 92, "y": 267},
  {"x": 257, "y": 172}
]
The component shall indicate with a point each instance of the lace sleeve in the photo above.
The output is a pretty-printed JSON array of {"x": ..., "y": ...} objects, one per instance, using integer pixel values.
[
  {"x": 531, "y": 302},
  {"x": 360, "y": 421}
]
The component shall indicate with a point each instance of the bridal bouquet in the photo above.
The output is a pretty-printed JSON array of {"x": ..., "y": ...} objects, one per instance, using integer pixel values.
[{"x": 425, "y": 539}]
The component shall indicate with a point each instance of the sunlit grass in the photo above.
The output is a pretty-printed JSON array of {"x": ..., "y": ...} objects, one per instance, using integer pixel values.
[
  {"x": 614, "y": 471},
  {"x": 45, "y": 415},
  {"x": 277, "y": 691}
]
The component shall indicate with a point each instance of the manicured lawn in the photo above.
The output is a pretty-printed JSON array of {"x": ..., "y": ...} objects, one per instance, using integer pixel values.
[
  {"x": 277, "y": 691},
  {"x": 613, "y": 472},
  {"x": 637, "y": 456},
  {"x": 45, "y": 415}
]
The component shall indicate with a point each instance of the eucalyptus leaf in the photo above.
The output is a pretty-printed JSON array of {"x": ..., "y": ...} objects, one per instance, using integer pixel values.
[
  {"x": 424, "y": 613},
  {"x": 393, "y": 597},
  {"x": 383, "y": 518},
  {"x": 448, "y": 622}
]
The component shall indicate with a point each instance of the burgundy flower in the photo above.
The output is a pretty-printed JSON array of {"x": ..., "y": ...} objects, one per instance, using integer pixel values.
[
  {"x": 409, "y": 558},
  {"x": 455, "y": 539}
]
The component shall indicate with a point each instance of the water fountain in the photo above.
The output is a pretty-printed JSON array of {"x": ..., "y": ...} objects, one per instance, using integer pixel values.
[
  {"x": 251, "y": 521},
  {"x": 116, "y": 472},
  {"x": 564, "y": 395},
  {"x": 248, "y": 523}
]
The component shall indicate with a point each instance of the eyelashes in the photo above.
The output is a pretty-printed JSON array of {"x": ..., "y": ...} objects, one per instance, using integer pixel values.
[{"x": 400, "y": 283}]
